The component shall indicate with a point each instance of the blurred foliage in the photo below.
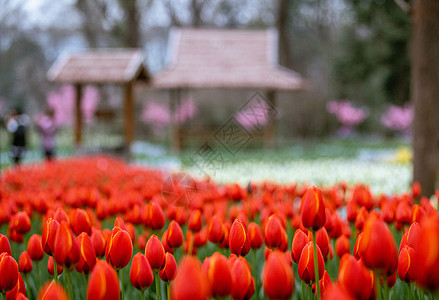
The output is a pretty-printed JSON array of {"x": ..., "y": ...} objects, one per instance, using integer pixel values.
[{"x": 372, "y": 65}]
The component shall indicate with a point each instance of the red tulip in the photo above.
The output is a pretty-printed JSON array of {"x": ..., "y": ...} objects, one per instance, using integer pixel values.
[
  {"x": 190, "y": 283},
  {"x": 119, "y": 222},
  {"x": 155, "y": 253},
  {"x": 337, "y": 292},
  {"x": 50, "y": 267},
  {"x": 87, "y": 258},
  {"x": 66, "y": 250},
  {"x": 362, "y": 215},
  {"x": 80, "y": 222},
  {"x": 175, "y": 235},
  {"x": 155, "y": 216},
  {"x": 215, "y": 268},
  {"x": 169, "y": 271},
  {"x": 19, "y": 288},
  {"x": 306, "y": 268},
  {"x": 52, "y": 290},
  {"x": 119, "y": 248},
  {"x": 25, "y": 263},
  {"x": 277, "y": 277},
  {"x": 141, "y": 276},
  {"x": 300, "y": 239},
  {"x": 403, "y": 213},
  {"x": 215, "y": 230},
  {"x": 273, "y": 232},
  {"x": 322, "y": 240},
  {"x": 355, "y": 277},
  {"x": 342, "y": 246},
  {"x": 377, "y": 248},
  {"x": 34, "y": 248},
  {"x": 195, "y": 221},
  {"x": 103, "y": 283},
  {"x": 5, "y": 246},
  {"x": 255, "y": 234},
  {"x": 61, "y": 216},
  {"x": 325, "y": 285},
  {"x": 165, "y": 243},
  {"x": 200, "y": 238},
  {"x": 20, "y": 222},
  {"x": 48, "y": 238},
  {"x": 99, "y": 242},
  {"x": 418, "y": 213},
  {"x": 241, "y": 278},
  {"x": 8, "y": 272},
  {"x": 312, "y": 209},
  {"x": 358, "y": 242},
  {"x": 239, "y": 241}
]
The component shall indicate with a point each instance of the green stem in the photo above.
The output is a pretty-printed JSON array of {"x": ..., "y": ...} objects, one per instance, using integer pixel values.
[
  {"x": 316, "y": 264},
  {"x": 303, "y": 290},
  {"x": 157, "y": 284},
  {"x": 28, "y": 287},
  {"x": 191, "y": 245},
  {"x": 310, "y": 294},
  {"x": 142, "y": 295},
  {"x": 409, "y": 292},
  {"x": 55, "y": 270},
  {"x": 168, "y": 290},
  {"x": 37, "y": 265},
  {"x": 379, "y": 295},
  {"x": 121, "y": 284},
  {"x": 386, "y": 289},
  {"x": 69, "y": 283},
  {"x": 3, "y": 296},
  {"x": 255, "y": 274}
]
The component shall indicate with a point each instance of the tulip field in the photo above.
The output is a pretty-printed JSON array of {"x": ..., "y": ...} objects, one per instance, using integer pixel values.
[{"x": 98, "y": 228}]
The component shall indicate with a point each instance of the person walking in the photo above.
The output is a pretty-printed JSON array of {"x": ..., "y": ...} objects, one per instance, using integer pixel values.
[
  {"x": 47, "y": 127},
  {"x": 16, "y": 124}
]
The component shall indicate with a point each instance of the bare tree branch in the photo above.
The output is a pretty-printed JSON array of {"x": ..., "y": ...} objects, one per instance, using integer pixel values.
[{"x": 403, "y": 5}]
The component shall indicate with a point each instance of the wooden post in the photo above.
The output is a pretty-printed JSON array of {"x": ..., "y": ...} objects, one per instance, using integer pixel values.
[
  {"x": 78, "y": 115},
  {"x": 175, "y": 126},
  {"x": 271, "y": 122},
  {"x": 128, "y": 118}
]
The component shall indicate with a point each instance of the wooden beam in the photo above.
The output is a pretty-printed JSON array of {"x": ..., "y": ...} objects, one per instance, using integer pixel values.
[
  {"x": 128, "y": 117},
  {"x": 78, "y": 115},
  {"x": 270, "y": 129}
]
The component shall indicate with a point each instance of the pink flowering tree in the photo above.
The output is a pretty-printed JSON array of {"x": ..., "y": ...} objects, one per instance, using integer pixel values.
[
  {"x": 398, "y": 119},
  {"x": 254, "y": 117},
  {"x": 158, "y": 116},
  {"x": 62, "y": 103},
  {"x": 348, "y": 115}
]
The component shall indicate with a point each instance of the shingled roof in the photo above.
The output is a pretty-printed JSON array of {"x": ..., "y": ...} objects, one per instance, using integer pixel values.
[
  {"x": 99, "y": 66},
  {"x": 225, "y": 58}
]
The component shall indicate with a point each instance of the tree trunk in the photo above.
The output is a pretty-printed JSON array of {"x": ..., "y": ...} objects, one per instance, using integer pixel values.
[
  {"x": 425, "y": 94},
  {"x": 283, "y": 16}
]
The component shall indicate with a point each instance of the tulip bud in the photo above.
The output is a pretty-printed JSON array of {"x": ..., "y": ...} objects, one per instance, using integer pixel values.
[
  {"x": 195, "y": 221},
  {"x": 312, "y": 209},
  {"x": 241, "y": 278},
  {"x": 80, "y": 222},
  {"x": 355, "y": 277},
  {"x": 87, "y": 258},
  {"x": 99, "y": 242},
  {"x": 155, "y": 216},
  {"x": 190, "y": 283},
  {"x": 5, "y": 246},
  {"x": 20, "y": 222},
  {"x": 300, "y": 239},
  {"x": 273, "y": 232},
  {"x": 377, "y": 248},
  {"x": 103, "y": 283},
  {"x": 25, "y": 263},
  {"x": 50, "y": 267},
  {"x": 175, "y": 235},
  {"x": 306, "y": 268},
  {"x": 8, "y": 272},
  {"x": 119, "y": 248},
  {"x": 155, "y": 253},
  {"x": 34, "y": 248},
  {"x": 322, "y": 240},
  {"x": 66, "y": 250},
  {"x": 239, "y": 241},
  {"x": 255, "y": 234},
  {"x": 169, "y": 271},
  {"x": 141, "y": 276},
  {"x": 19, "y": 288},
  {"x": 325, "y": 285},
  {"x": 215, "y": 268},
  {"x": 342, "y": 246},
  {"x": 61, "y": 216},
  {"x": 52, "y": 290},
  {"x": 48, "y": 237},
  {"x": 215, "y": 230},
  {"x": 277, "y": 277}
]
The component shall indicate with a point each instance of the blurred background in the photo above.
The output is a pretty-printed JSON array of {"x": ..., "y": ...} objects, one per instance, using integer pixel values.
[{"x": 352, "y": 122}]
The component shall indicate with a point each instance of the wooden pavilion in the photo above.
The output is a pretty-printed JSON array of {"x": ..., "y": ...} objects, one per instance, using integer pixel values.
[
  {"x": 225, "y": 59},
  {"x": 102, "y": 66}
]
